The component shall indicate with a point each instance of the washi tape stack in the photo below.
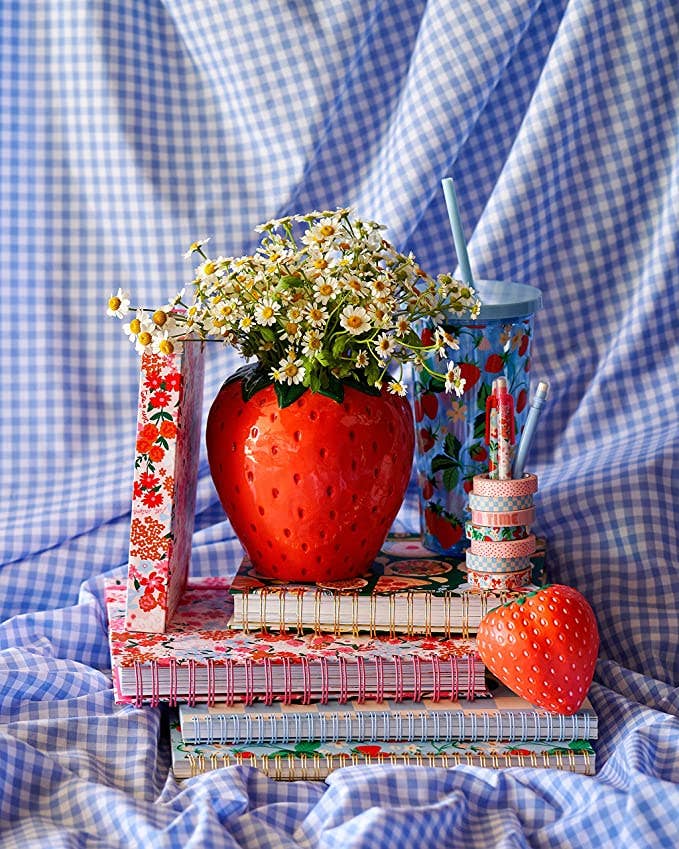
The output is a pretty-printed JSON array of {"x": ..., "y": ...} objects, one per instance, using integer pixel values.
[{"x": 501, "y": 542}]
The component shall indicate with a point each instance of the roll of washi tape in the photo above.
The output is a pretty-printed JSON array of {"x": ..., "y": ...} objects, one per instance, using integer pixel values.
[
  {"x": 485, "y": 563},
  {"x": 501, "y": 504},
  {"x": 526, "y": 485},
  {"x": 504, "y": 518},
  {"x": 504, "y": 548},
  {"x": 499, "y": 581},
  {"x": 497, "y": 532}
]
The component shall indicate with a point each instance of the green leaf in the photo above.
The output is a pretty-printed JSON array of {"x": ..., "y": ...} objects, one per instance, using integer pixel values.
[
  {"x": 451, "y": 477},
  {"x": 442, "y": 462},
  {"x": 254, "y": 381},
  {"x": 339, "y": 345},
  {"x": 288, "y": 281},
  {"x": 287, "y": 394},
  {"x": 333, "y": 388},
  {"x": 480, "y": 426},
  {"x": 361, "y": 385},
  {"x": 481, "y": 397},
  {"x": 452, "y": 446},
  {"x": 307, "y": 747}
]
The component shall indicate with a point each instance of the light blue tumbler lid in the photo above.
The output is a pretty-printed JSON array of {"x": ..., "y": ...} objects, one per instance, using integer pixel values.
[{"x": 502, "y": 299}]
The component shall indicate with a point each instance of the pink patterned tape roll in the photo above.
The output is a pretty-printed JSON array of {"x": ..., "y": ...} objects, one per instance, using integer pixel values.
[
  {"x": 499, "y": 582},
  {"x": 504, "y": 518},
  {"x": 526, "y": 485},
  {"x": 502, "y": 549},
  {"x": 484, "y": 563},
  {"x": 497, "y": 532}
]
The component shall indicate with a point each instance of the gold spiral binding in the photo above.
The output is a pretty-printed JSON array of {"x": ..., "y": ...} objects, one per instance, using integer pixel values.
[{"x": 318, "y": 597}]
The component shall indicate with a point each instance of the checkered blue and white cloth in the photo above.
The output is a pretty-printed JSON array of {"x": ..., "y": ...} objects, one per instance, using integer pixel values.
[{"x": 129, "y": 129}]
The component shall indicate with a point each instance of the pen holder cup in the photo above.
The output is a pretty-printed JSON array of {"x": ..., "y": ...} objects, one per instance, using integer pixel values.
[{"x": 450, "y": 446}]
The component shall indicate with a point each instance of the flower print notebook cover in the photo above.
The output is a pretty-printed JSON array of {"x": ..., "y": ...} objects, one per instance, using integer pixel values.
[
  {"x": 202, "y": 659},
  {"x": 409, "y": 590},
  {"x": 314, "y": 760}
]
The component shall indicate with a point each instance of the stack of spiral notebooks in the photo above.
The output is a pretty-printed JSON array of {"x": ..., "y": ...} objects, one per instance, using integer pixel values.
[{"x": 299, "y": 680}]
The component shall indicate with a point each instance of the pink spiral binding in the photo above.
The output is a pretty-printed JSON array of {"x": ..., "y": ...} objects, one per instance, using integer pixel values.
[
  {"x": 360, "y": 673},
  {"x": 230, "y": 694},
  {"x": 139, "y": 682},
  {"x": 268, "y": 681},
  {"x": 454, "y": 679},
  {"x": 398, "y": 674},
  {"x": 344, "y": 690},
  {"x": 191, "y": 698},
  {"x": 249, "y": 694},
  {"x": 306, "y": 680},
  {"x": 379, "y": 679},
  {"x": 436, "y": 675},
  {"x": 417, "y": 678},
  {"x": 324, "y": 679},
  {"x": 287, "y": 692},
  {"x": 210, "y": 682},
  {"x": 173, "y": 683}
]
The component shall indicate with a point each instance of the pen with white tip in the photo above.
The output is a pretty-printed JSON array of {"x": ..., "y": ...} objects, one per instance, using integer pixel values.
[{"x": 541, "y": 394}]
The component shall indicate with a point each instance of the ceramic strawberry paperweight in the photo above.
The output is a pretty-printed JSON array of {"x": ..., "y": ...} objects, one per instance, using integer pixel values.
[{"x": 543, "y": 645}]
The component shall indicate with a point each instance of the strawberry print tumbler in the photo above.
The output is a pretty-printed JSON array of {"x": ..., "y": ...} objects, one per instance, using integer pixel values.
[{"x": 451, "y": 445}]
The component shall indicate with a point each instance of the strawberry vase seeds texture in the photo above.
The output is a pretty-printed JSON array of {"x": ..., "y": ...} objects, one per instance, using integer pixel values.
[{"x": 450, "y": 431}]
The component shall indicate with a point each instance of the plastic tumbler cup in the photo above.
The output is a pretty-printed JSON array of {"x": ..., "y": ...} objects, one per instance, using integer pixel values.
[{"x": 450, "y": 431}]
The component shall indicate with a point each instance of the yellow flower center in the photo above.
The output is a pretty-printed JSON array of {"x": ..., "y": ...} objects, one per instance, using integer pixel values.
[
  {"x": 114, "y": 303},
  {"x": 354, "y": 321},
  {"x": 291, "y": 328},
  {"x": 267, "y": 312},
  {"x": 327, "y": 230},
  {"x": 210, "y": 267},
  {"x": 166, "y": 347},
  {"x": 135, "y": 326},
  {"x": 290, "y": 370},
  {"x": 325, "y": 289},
  {"x": 159, "y": 318},
  {"x": 144, "y": 338},
  {"x": 320, "y": 262}
]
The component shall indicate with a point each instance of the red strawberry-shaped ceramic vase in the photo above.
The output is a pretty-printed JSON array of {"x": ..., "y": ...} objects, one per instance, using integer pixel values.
[{"x": 310, "y": 489}]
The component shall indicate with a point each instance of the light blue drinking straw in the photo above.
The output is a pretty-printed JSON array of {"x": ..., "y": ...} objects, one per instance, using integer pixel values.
[{"x": 458, "y": 234}]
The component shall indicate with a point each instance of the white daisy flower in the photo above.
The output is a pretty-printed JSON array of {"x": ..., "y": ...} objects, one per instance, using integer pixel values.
[
  {"x": 291, "y": 370},
  {"x": 325, "y": 289},
  {"x": 312, "y": 343},
  {"x": 396, "y": 387},
  {"x": 265, "y": 311},
  {"x": 118, "y": 304},
  {"x": 361, "y": 359},
  {"x": 196, "y": 246},
  {"x": 163, "y": 343},
  {"x": 385, "y": 346},
  {"x": 316, "y": 315},
  {"x": 355, "y": 320},
  {"x": 454, "y": 380},
  {"x": 134, "y": 326},
  {"x": 402, "y": 326}
]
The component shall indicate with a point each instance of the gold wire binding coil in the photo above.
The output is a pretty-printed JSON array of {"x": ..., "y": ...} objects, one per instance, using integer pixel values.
[
  {"x": 318, "y": 597},
  {"x": 427, "y": 614},
  {"x": 409, "y": 615},
  {"x": 300, "y": 618},
  {"x": 373, "y": 615},
  {"x": 392, "y": 615}
]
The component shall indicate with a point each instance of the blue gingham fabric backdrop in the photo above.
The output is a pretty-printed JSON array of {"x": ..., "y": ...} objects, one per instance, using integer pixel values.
[{"x": 129, "y": 129}]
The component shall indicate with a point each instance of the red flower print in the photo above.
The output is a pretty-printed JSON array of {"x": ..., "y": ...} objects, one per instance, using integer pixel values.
[
  {"x": 153, "y": 379},
  {"x": 148, "y": 481},
  {"x": 136, "y": 490},
  {"x": 154, "y": 582},
  {"x": 147, "y": 602},
  {"x": 369, "y": 751},
  {"x": 149, "y": 431},
  {"x": 159, "y": 399},
  {"x": 156, "y": 453},
  {"x": 173, "y": 381},
  {"x": 152, "y": 499},
  {"x": 168, "y": 429},
  {"x": 143, "y": 445}
]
